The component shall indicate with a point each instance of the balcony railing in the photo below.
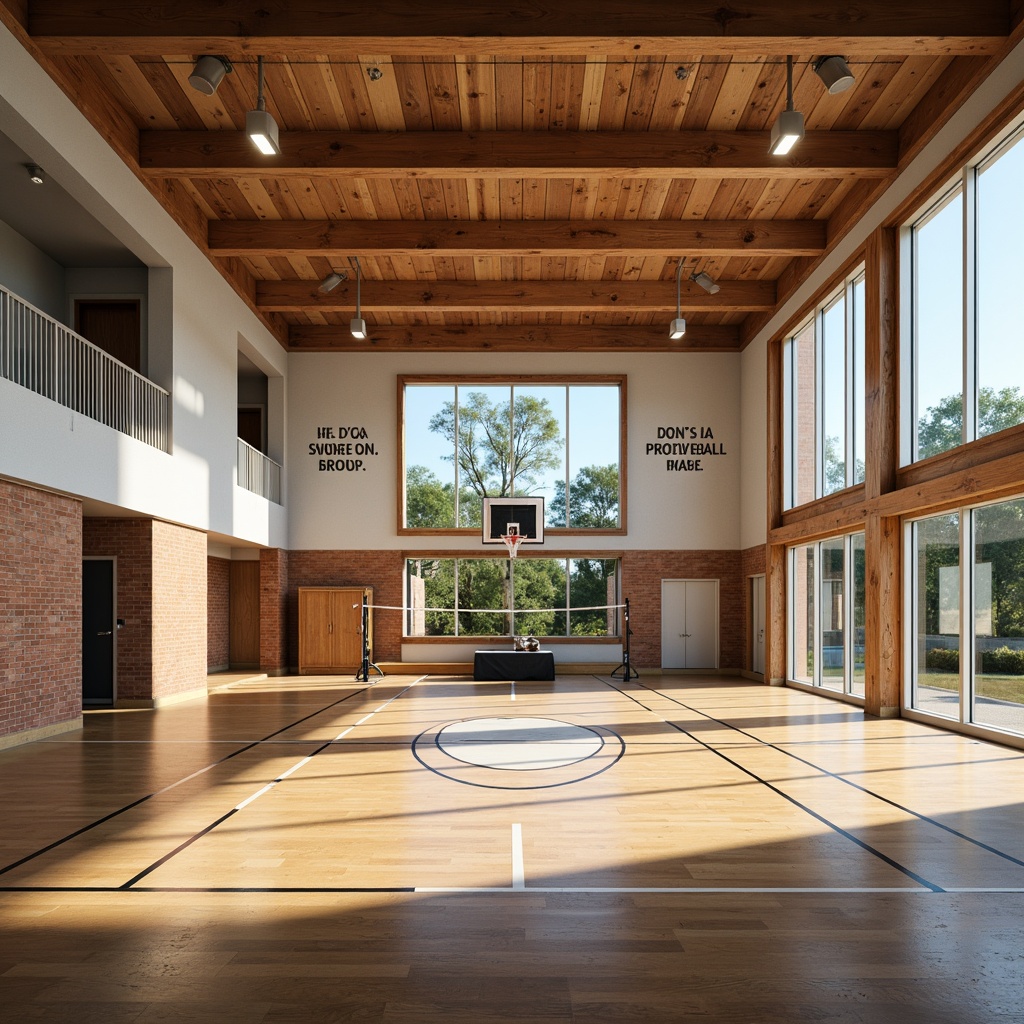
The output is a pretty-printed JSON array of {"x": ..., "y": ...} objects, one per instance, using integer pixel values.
[
  {"x": 257, "y": 473},
  {"x": 43, "y": 355}
]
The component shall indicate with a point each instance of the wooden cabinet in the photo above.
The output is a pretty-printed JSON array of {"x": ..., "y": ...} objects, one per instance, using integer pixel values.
[{"x": 331, "y": 628}]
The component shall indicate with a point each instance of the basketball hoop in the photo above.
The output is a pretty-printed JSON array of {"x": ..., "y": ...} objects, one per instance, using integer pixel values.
[{"x": 512, "y": 538}]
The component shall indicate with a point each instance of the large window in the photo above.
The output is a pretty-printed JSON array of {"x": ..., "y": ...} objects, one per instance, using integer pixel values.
[
  {"x": 969, "y": 667},
  {"x": 568, "y": 597},
  {"x": 824, "y": 398},
  {"x": 467, "y": 439},
  {"x": 826, "y": 614},
  {"x": 967, "y": 341}
]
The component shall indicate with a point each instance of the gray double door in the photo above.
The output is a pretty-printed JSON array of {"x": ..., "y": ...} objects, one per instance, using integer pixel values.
[{"x": 689, "y": 624}]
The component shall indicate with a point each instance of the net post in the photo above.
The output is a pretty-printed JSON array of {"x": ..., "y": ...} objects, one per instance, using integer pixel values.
[
  {"x": 628, "y": 672},
  {"x": 363, "y": 674}
]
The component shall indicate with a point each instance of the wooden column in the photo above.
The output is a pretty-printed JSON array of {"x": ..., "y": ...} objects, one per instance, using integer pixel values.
[
  {"x": 775, "y": 556},
  {"x": 883, "y": 614}
]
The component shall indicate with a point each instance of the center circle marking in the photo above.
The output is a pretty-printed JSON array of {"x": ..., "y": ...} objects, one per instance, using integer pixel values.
[{"x": 519, "y": 744}]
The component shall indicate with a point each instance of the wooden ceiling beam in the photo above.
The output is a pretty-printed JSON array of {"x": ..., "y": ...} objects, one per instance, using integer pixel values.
[
  {"x": 504, "y": 154},
  {"x": 589, "y": 338},
  {"x": 566, "y": 27},
  {"x": 516, "y": 238},
  {"x": 512, "y": 296}
]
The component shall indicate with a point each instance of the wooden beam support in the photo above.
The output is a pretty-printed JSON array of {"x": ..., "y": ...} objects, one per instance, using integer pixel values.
[
  {"x": 575, "y": 27},
  {"x": 512, "y": 296},
  {"x": 586, "y": 338},
  {"x": 504, "y": 154},
  {"x": 883, "y": 617},
  {"x": 516, "y": 238}
]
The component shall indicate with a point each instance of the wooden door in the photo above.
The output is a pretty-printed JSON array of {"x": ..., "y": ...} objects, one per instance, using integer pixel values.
[
  {"x": 348, "y": 629},
  {"x": 113, "y": 325},
  {"x": 316, "y": 628},
  {"x": 244, "y": 615},
  {"x": 757, "y": 623}
]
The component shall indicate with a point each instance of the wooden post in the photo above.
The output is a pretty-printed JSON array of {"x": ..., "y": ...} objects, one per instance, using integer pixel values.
[{"x": 883, "y": 613}]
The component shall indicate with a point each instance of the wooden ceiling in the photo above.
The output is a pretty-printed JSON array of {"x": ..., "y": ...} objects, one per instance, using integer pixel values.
[{"x": 524, "y": 180}]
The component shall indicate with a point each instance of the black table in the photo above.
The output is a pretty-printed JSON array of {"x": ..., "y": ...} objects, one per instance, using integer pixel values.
[{"x": 513, "y": 665}]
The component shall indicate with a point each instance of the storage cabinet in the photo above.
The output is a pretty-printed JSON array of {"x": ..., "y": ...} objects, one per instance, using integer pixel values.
[{"x": 331, "y": 628}]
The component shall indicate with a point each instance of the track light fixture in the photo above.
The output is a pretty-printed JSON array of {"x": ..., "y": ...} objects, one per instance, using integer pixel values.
[
  {"x": 260, "y": 125},
  {"x": 35, "y": 174},
  {"x": 788, "y": 129},
  {"x": 209, "y": 72},
  {"x": 678, "y": 326},
  {"x": 357, "y": 326},
  {"x": 707, "y": 282},
  {"x": 332, "y": 280},
  {"x": 835, "y": 73}
]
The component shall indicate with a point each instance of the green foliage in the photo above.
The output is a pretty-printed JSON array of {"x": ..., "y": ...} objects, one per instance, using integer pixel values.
[
  {"x": 495, "y": 453},
  {"x": 1003, "y": 661},
  {"x": 941, "y": 427},
  {"x": 594, "y": 499}
]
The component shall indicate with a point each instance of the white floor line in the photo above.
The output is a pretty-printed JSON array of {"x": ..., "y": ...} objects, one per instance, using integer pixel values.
[
  {"x": 518, "y": 872},
  {"x": 696, "y": 890}
]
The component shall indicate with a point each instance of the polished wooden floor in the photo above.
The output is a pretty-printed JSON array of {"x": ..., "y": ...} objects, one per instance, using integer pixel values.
[{"x": 315, "y": 850}]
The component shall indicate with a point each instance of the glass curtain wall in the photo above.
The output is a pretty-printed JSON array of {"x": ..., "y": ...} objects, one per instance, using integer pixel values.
[
  {"x": 966, "y": 261},
  {"x": 969, "y": 666},
  {"x": 826, "y": 603},
  {"x": 823, "y": 382}
]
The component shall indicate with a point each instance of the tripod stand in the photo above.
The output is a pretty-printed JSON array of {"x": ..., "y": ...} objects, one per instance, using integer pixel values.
[
  {"x": 364, "y": 670},
  {"x": 628, "y": 672}
]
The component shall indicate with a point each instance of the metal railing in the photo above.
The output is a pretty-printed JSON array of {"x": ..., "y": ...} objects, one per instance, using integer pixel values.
[
  {"x": 257, "y": 473},
  {"x": 44, "y": 356}
]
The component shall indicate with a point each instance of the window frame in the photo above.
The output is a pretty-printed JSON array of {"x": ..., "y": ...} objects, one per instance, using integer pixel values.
[
  {"x": 965, "y": 187},
  {"x": 565, "y": 557},
  {"x": 854, "y": 384},
  {"x": 525, "y": 381}
]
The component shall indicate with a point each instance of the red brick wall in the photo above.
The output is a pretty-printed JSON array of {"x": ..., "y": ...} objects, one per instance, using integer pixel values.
[
  {"x": 382, "y": 570},
  {"x": 130, "y": 541},
  {"x": 217, "y": 590},
  {"x": 274, "y": 612},
  {"x": 642, "y": 573},
  {"x": 179, "y": 609},
  {"x": 40, "y": 609}
]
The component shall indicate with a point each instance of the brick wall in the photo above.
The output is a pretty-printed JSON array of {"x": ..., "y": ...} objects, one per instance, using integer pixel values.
[
  {"x": 274, "y": 655},
  {"x": 130, "y": 541},
  {"x": 40, "y": 609},
  {"x": 642, "y": 573},
  {"x": 161, "y": 595},
  {"x": 382, "y": 570},
  {"x": 179, "y": 609},
  {"x": 217, "y": 623}
]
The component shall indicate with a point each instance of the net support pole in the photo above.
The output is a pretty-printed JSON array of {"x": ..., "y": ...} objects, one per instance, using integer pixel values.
[
  {"x": 364, "y": 672},
  {"x": 627, "y": 670}
]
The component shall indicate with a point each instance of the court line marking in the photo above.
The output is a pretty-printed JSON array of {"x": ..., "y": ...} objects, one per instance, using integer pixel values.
[
  {"x": 842, "y": 778},
  {"x": 838, "y": 829},
  {"x": 159, "y": 792},
  {"x": 527, "y": 890},
  {"x": 265, "y": 789},
  {"x": 518, "y": 871}
]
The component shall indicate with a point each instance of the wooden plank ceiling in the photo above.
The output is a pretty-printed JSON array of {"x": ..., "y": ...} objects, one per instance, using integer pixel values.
[{"x": 515, "y": 181}]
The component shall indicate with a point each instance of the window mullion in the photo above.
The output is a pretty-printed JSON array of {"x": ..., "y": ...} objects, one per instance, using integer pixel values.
[{"x": 970, "y": 303}]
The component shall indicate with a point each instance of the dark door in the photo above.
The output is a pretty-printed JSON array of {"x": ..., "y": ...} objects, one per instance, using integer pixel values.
[
  {"x": 114, "y": 325},
  {"x": 98, "y": 631},
  {"x": 244, "y": 615}
]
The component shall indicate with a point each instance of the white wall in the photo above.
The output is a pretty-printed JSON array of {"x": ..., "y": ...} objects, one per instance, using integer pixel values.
[
  {"x": 30, "y": 273},
  {"x": 666, "y": 509},
  {"x": 48, "y": 445},
  {"x": 753, "y": 444}
]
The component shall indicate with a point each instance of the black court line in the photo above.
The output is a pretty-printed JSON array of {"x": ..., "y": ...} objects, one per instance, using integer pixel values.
[
  {"x": 839, "y": 830},
  {"x": 149, "y": 796},
  {"x": 849, "y": 782},
  {"x": 234, "y": 810}
]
